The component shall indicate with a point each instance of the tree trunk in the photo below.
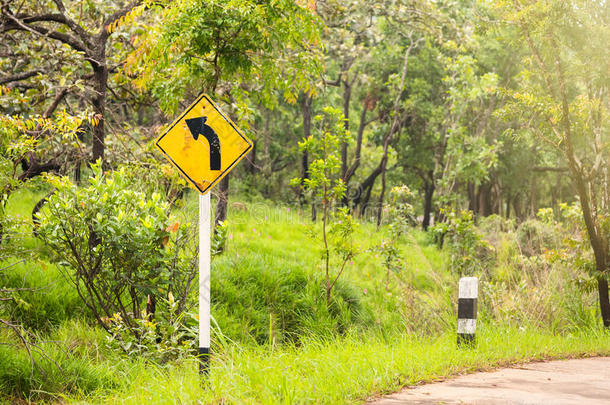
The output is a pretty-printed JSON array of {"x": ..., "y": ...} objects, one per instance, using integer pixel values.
[
  {"x": 251, "y": 167},
  {"x": 347, "y": 94},
  {"x": 36, "y": 210},
  {"x": 266, "y": 142},
  {"x": 140, "y": 119},
  {"x": 382, "y": 193},
  {"x": 358, "y": 152},
  {"x": 604, "y": 300},
  {"x": 472, "y": 198},
  {"x": 77, "y": 173},
  {"x": 223, "y": 200},
  {"x": 367, "y": 184},
  {"x": 532, "y": 201},
  {"x": 367, "y": 197},
  {"x": 100, "y": 76},
  {"x": 306, "y": 106},
  {"x": 485, "y": 205},
  {"x": 517, "y": 208},
  {"x": 596, "y": 239},
  {"x": 428, "y": 193}
]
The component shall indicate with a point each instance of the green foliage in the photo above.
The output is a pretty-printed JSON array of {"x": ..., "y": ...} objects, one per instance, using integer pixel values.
[
  {"x": 40, "y": 298},
  {"x": 168, "y": 336},
  {"x": 536, "y": 236},
  {"x": 68, "y": 362},
  {"x": 219, "y": 239},
  {"x": 401, "y": 217},
  {"x": 390, "y": 255},
  {"x": 470, "y": 251},
  {"x": 324, "y": 182},
  {"x": 15, "y": 145},
  {"x": 468, "y": 157},
  {"x": 341, "y": 236},
  {"x": 266, "y": 47},
  {"x": 566, "y": 241},
  {"x": 400, "y": 210},
  {"x": 118, "y": 247}
]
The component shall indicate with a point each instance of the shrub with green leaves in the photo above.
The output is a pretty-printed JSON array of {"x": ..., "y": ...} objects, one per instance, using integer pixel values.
[
  {"x": 219, "y": 239},
  {"x": 120, "y": 248},
  {"x": 171, "y": 336},
  {"x": 536, "y": 236},
  {"x": 470, "y": 251},
  {"x": 401, "y": 211}
]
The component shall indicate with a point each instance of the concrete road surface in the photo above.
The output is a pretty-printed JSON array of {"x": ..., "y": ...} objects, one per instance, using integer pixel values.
[{"x": 577, "y": 382}]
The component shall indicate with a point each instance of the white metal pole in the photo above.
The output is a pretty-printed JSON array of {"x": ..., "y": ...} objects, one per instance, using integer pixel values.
[{"x": 204, "y": 281}]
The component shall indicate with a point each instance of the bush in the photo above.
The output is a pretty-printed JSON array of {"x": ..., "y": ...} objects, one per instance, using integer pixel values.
[
  {"x": 535, "y": 237},
  {"x": 494, "y": 225},
  {"x": 120, "y": 248},
  {"x": 470, "y": 252}
]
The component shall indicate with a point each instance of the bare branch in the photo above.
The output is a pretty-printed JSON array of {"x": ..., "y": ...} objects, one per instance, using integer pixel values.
[
  {"x": 77, "y": 29},
  {"x": 58, "y": 97},
  {"x": 15, "y": 23},
  {"x": 19, "y": 76}
]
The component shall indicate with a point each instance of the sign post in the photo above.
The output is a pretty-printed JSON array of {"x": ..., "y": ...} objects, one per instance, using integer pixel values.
[
  {"x": 204, "y": 145},
  {"x": 205, "y": 214}
]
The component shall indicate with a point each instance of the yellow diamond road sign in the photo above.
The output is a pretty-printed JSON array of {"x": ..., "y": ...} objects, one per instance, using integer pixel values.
[{"x": 203, "y": 144}]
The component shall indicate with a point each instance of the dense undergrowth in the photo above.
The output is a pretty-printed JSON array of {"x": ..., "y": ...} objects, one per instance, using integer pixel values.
[{"x": 275, "y": 339}]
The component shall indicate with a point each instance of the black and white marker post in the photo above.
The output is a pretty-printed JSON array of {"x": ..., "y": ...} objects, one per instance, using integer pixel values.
[
  {"x": 204, "y": 282},
  {"x": 468, "y": 290}
]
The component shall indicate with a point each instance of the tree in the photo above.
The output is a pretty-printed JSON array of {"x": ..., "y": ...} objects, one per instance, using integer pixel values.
[
  {"x": 563, "y": 101},
  {"x": 82, "y": 33},
  {"x": 446, "y": 103},
  {"x": 324, "y": 182}
]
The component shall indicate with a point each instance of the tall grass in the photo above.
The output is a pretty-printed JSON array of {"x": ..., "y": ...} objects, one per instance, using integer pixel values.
[
  {"x": 343, "y": 370},
  {"x": 69, "y": 360},
  {"x": 42, "y": 298}
]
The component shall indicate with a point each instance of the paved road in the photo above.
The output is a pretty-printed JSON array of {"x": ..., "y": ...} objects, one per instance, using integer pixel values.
[{"x": 573, "y": 382}]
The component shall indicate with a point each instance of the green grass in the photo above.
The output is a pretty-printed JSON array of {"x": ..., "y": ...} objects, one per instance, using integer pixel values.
[
  {"x": 43, "y": 298},
  {"x": 344, "y": 370},
  {"x": 69, "y": 360}
]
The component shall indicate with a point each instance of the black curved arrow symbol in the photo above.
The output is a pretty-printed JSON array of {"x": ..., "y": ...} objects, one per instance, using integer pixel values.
[{"x": 197, "y": 126}]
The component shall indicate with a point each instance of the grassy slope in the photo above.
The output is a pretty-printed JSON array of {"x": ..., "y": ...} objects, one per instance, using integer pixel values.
[{"x": 332, "y": 370}]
